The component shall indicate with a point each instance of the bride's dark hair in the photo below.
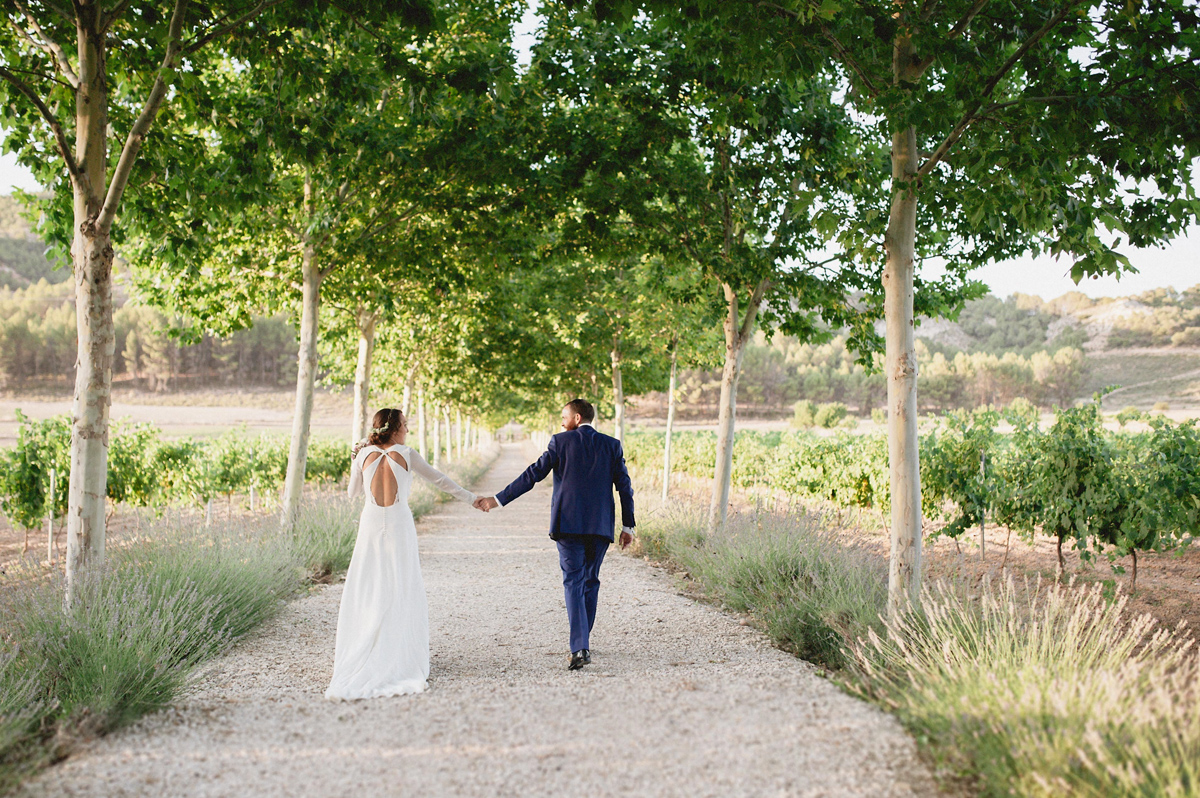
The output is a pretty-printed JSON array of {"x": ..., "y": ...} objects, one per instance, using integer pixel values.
[{"x": 386, "y": 422}]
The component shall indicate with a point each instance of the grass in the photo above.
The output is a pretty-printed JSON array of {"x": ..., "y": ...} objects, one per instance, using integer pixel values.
[
  {"x": 1029, "y": 689},
  {"x": 165, "y": 602},
  {"x": 1034, "y": 690},
  {"x": 812, "y": 593},
  {"x": 134, "y": 633}
]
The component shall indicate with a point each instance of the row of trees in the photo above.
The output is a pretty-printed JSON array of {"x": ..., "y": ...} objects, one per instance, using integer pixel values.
[
  {"x": 494, "y": 237},
  {"x": 38, "y": 342}
]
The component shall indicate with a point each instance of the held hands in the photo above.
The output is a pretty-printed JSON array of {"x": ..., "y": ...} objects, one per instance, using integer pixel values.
[{"x": 485, "y": 503}]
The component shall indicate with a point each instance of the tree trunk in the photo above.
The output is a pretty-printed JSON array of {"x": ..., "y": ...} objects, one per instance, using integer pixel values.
[
  {"x": 904, "y": 573},
  {"x": 670, "y": 427},
  {"x": 458, "y": 437},
  {"x": 437, "y": 439},
  {"x": 1133, "y": 578},
  {"x": 92, "y": 254},
  {"x": 305, "y": 380},
  {"x": 362, "y": 374},
  {"x": 449, "y": 434},
  {"x": 737, "y": 332},
  {"x": 421, "y": 422},
  {"x": 618, "y": 392},
  {"x": 406, "y": 400}
]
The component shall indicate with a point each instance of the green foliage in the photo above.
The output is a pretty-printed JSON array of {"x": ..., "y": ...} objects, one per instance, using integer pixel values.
[
  {"x": 957, "y": 482},
  {"x": 131, "y": 474},
  {"x": 828, "y": 415},
  {"x": 804, "y": 414},
  {"x": 1127, "y": 414},
  {"x": 25, "y": 470},
  {"x": 143, "y": 469}
]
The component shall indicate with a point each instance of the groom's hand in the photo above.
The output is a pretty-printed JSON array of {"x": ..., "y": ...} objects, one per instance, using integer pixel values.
[
  {"x": 626, "y": 539},
  {"x": 485, "y": 503}
]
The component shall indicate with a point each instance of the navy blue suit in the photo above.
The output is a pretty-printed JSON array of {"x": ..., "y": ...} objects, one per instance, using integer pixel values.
[{"x": 587, "y": 465}]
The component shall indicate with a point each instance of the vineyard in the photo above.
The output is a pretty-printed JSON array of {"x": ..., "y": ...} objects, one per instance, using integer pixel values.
[
  {"x": 1099, "y": 492},
  {"x": 144, "y": 470}
]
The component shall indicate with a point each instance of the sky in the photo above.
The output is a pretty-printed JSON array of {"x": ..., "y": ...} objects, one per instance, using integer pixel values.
[{"x": 1176, "y": 265}]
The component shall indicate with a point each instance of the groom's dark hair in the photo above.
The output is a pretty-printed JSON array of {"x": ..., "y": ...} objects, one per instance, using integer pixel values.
[{"x": 584, "y": 408}]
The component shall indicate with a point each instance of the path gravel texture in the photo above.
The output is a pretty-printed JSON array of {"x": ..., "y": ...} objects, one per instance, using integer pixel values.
[{"x": 680, "y": 700}]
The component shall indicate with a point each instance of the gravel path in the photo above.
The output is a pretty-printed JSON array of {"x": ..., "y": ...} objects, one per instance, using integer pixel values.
[{"x": 681, "y": 699}]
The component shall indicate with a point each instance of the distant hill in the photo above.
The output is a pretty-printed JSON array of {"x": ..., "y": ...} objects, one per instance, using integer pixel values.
[
  {"x": 1148, "y": 345},
  {"x": 23, "y": 260}
]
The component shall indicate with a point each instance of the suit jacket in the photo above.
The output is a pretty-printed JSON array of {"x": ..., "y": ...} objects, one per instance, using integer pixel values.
[{"x": 587, "y": 465}]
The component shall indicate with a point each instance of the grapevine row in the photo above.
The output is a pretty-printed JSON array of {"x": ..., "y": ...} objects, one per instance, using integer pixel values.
[{"x": 1096, "y": 490}]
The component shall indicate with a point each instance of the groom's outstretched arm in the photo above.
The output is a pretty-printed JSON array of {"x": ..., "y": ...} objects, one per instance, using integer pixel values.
[{"x": 530, "y": 476}]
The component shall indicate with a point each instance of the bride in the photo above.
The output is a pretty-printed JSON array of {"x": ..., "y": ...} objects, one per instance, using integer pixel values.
[{"x": 382, "y": 644}]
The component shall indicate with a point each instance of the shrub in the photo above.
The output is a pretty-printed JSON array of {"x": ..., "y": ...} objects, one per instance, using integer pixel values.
[
  {"x": 325, "y": 534},
  {"x": 879, "y": 416},
  {"x": 813, "y": 594},
  {"x": 1042, "y": 692},
  {"x": 804, "y": 414},
  {"x": 828, "y": 415},
  {"x": 1161, "y": 407},
  {"x": 1130, "y": 413},
  {"x": 135, "y": 632}
]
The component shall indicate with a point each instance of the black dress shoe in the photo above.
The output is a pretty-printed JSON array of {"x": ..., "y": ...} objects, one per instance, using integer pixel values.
[
  {"x": 578, "y": 660},
  {"x": 587, "y": 656}
]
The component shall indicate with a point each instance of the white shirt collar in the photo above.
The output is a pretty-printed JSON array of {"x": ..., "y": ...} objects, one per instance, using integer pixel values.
[{"x": 587, "y": 424}]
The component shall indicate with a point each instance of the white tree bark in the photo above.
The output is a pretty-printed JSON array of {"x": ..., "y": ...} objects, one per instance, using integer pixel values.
[
  {"x": 666, "y": 486},
  {"x": 618, "y": 391},
  {"x": 904, "y": 573},
  {"x": 306, "y": 376},
  {"x": 738, "y": 331},
  {"x": 437, "y": 439},
  {"x": 92, "y": 254},
  {"x": 449, "y": 434},
  {"x": 421, "y": 423},
  {"x": 459, "y": 433},
  {"x": 362, "y": 374}
]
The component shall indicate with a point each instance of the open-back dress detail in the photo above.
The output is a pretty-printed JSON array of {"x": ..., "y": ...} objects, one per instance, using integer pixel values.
[{"x": 382, "y": 644}]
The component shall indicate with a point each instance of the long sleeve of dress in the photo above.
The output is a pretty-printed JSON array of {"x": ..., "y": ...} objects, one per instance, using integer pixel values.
[
  {"x": 355, "y": 488},
  {"x": 436, "y": 478}
]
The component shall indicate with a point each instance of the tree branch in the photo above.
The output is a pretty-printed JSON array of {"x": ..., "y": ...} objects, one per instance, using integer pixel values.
[
  {"x": 756, "y": 298},
  {"x": 262, "y": 6},
  {"x": 51, "y": 47},
  {"x": 972, "y": 113},
  {"x": 961, "y": 26},
  {"x": 113, "y": 15},
  {"x": 60, "y": 136},
  {"x": 842, "y": 53},
  {"x": 137, "y": 134},
  {"x": 849, "y": 61}
]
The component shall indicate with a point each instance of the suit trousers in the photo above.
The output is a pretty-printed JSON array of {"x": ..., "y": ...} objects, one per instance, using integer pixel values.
[{"x": 580, "y": 557}]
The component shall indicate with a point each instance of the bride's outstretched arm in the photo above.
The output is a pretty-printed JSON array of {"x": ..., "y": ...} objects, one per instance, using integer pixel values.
[
  {"x": 356, "y": 477},
  {"x": 437, "y": 478}
]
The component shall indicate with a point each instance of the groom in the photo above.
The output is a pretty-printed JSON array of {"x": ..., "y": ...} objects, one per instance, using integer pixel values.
[{"x": 587, "y": 465}]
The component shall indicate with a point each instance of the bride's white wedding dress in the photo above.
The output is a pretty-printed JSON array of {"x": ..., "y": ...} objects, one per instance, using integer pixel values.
[{"x": 382, "y": 644}]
